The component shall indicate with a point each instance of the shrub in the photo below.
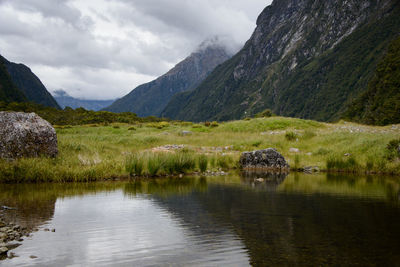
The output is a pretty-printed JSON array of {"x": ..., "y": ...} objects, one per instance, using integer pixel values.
[
  {"x": 207, "y": 124},
  {"x": 264, "y": 114},
  {"x": 291, "y": 136},
  {"x": 203, "y": 162},
  {"x": 196, "y": 126},
  {"x": 214, "y": 124},
  {"x": 393, "y": 149},
  {"x": 132, "y": 129},
  {"x": 116, "y": 127}
]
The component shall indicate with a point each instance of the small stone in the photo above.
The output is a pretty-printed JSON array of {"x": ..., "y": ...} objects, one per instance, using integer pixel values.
[
  {"x": 46, "y": 229},
  {"x": 294, "y": 150},
  {"x": 3, "y": 250},
  {"x": 53, "y": 230},
  {"x": 309, "y": 154},
  {"x": 185, "y": 133},
  {"x": 260, "y": 180},
  {"x": 33, "y": 257},
  {"x": 347, "y": 155}
]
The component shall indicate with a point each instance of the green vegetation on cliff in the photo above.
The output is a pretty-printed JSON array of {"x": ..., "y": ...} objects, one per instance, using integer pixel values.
[
  {"x": 8, "y": 91},
  {"x": 312, "y": 66},
  {"x": 380, "y": 104}
]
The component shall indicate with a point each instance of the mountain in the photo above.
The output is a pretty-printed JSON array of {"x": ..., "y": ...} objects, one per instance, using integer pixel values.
[
  {"x": 306, "y": 58},
  {"x": 65, "y": 100},
  {"x": 380, "y": 104},
  {"x": 151, "y": 98},
  {"x": 8, "y": 91},
  {"x": 29, "y": 84}
]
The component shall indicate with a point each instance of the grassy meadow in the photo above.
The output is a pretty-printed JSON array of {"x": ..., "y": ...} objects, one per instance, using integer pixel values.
[{"x": 101, "y": 152}]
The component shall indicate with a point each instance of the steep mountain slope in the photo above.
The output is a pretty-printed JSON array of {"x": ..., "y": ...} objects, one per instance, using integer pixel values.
[
  {"x": 8, "y": 91},
  {"x": 27, "y": 82},
  {"x": 380, "y": 104},
  {"x": 306, "y": 58},
  {"x": 65, "y": 100},
  {"x": 151, "y": 98}
]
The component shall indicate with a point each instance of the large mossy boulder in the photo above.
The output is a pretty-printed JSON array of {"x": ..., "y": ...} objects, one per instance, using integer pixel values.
[
  {"x": 26, "y": 135},
  {"x": 266, "y": 159}
]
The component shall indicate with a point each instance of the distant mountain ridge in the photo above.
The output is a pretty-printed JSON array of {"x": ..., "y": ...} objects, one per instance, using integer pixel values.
[
  {"x": 151, "y": 98},
  {"x": 65, "y": 100},
  {"x": 28, "y": 84},
  {"x": 306, "y": 58}
]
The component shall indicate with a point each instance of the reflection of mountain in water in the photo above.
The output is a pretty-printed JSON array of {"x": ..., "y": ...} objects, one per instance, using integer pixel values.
[{"x": 291, "y": 229}]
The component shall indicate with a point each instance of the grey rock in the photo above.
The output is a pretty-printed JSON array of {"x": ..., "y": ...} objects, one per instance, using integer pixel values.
[
  {"x": 185, "y": 133},
  {"x": 294, "y": 150},
  {"x": 311, "y": 169},
  {"x": 263, "y": 159},
  {"x": 26, "y": 135},
  {"x": 3, "y": 250}
]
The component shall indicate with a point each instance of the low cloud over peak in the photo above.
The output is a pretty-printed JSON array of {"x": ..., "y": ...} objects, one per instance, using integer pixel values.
[{"x": 102, "y": 49}]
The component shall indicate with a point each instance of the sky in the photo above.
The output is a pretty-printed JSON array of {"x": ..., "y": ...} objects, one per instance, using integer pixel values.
[{"x": 102, "y": 49}]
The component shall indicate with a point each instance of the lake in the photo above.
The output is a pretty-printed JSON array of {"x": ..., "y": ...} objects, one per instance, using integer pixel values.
[{"x": 234, "y": 220}]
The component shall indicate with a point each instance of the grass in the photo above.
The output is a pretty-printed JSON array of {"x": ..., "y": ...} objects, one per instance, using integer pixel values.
[{"x": 89, "y": 153}]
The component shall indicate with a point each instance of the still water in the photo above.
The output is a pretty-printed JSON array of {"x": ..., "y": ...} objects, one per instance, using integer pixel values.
[{"x": 235, "y": 220}]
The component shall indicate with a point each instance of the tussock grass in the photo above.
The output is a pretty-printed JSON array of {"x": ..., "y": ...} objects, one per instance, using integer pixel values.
[{"x": 89, "y": 153}]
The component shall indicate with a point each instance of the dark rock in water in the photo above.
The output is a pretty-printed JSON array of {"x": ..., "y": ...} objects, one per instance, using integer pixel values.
[
  {"x": 268, "y": 159},
  {"x": 26, "y": 135},
  {"x": 261, "y": 179}
]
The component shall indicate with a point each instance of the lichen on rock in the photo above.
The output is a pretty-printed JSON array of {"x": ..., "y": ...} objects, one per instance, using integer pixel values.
[
  {"x": 267, "y": 159},
  {"x": 26, "y": 135}
]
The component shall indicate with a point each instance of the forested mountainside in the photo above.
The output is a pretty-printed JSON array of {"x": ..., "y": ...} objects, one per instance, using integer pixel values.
[
  {"x": 380, "y": 104},
  {"x": 151, "y": 98},
  {"x": 29, "y": 84},
  {"x": 306, "y": 58},
  {"x": 8, "y": 91}
]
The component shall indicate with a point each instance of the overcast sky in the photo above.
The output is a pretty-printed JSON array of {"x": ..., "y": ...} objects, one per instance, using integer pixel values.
[{"x": 102, "y": 49}]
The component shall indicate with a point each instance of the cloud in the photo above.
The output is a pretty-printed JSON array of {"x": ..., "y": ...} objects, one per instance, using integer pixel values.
[{"x": 98, "y": 49}]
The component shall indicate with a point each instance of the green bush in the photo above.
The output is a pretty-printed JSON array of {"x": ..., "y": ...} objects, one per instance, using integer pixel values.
[
  {"x": 214, "y": 124},
  {"x": 264, "y": 114},
  {"x": 392, "y": 149},
  {"x": 291, "y": 136},
  {"x": 132, "y": 129}
]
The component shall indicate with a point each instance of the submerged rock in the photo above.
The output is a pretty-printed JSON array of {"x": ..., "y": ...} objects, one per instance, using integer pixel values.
[
  {"x": 26, "y": 135},
  {"x": 268, "y": 159}
]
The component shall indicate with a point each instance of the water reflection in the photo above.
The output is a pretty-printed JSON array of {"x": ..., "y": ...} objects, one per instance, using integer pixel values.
[{"x": 237, "y": 220}]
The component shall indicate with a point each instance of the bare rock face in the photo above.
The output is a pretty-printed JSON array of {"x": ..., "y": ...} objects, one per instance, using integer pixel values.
[
  {"x": 268, "y": 159},
  {"x": 26, "y": 135}
]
